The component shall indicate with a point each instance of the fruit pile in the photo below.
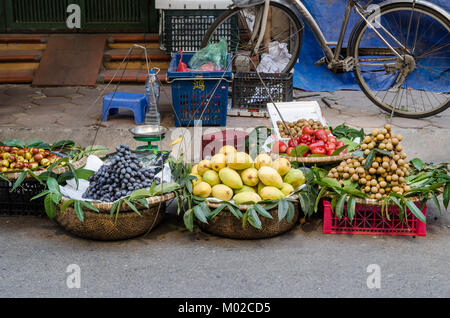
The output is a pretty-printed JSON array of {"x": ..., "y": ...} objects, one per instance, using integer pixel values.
[
  {"x": 123, "y": 175},
  {"x": 387, "y": 167},
  {"x": 234, "y": 175},
  {"x": 22, "y": 159},
  {"x": 296, "y": 128},
  {"x": 318, "y": 142}
]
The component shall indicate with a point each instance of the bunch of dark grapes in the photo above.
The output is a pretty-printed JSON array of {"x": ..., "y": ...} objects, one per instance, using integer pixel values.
[{"x": 120, "y": 178}]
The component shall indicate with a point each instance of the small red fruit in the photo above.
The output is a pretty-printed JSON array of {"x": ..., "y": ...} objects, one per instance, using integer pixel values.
[
  {"x": 279, "y": 147},
  {"x": 294, "y": 142},
  {"x": 307, "y": 131},
  {"x": 339, "y": 144},
  {"x": 321, "y": 135},
  {"x": 332, "y": 139}
]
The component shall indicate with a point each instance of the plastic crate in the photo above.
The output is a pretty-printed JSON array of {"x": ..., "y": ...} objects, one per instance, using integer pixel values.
[
  {"x": 369, "y": 220},
  {"x": 18, "y": 201},
  {"x": 249, "y": 92},
  {"x": 184, "y": 29},
  {"x": 192, "y": 90}
]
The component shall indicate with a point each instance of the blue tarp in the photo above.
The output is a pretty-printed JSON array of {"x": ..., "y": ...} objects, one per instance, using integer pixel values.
[{"x": 329, "y": 15}]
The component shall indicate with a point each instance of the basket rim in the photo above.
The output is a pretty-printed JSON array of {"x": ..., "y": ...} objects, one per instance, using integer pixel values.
[
  {"x": 327, "y": 159},
  {"x": 242, "y": 206},
  {"x": 152, "y": 201},
  {"x": 77, "y": 164}
]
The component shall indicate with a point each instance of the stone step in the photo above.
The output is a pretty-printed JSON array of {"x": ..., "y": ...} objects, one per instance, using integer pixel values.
[
  {"x": 20, "y": 56},
  {"x": 14, "y": 76}
]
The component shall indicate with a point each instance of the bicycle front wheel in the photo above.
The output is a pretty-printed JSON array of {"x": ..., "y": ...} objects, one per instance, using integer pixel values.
[
  {"x": 241, "y": 27},
  {"x": 407, "y": 74}
]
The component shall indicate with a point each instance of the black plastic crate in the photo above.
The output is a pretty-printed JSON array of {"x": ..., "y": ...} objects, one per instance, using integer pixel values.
[
  {"x": 18, "y": 201},
  {"x": 184, "y": 29},
  {"x": 249, "y": 92}
]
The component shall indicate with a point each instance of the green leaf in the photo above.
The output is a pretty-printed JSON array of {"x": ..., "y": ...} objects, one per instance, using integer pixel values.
[
  {"x": 262, "y": 211},
  {"x": 416, "y": 211},
  {"x": 351, "y": 206},
  {"x": 56, "y": 197},
  {"x": 283, "y": 207},
  {"x": 340, "y": 206},
  {"x": 50, "y": 207},
  {"x": 14, "y": 143},
  {"x": 31, "y": 173},
  {"x": 131, "y": 205},
  {"x": 63, "y": 144},
  {"x": 446, "y": 195},
  {"x": 355, "y": 192},
  {"x": 140, "y": 194},
  {"x": 291, "y": 212},
  {"x": 217, "y": 211},
  {"x": 163, "y": 188},
  {"x": 53, "y": 165},
  {"x": 417, "y": 163},
  {"x": 299, "y": 151},
  {"x": 33, "y": 142},
  {"x": 436, "y": 202},
  {"x": 253, "y": 218},
  {"x": 188, "y": 219},
  {"x": 397, "y": 202},
  {"x": 113, "y": 208},
  {"x": 369, "y": 159},
  {"x": 358, "y": 153},
  {"x": 144, "y": 202},
  {"x": 198, "y": 211},
  {"x": 2, "y": 177},
  {"x": 90, "y": 206},
  {"x": 79, "y": 210},
  {"x": 321, "y": 193},
  {"x": 45, "y": 192},
  {"x": 19, "y": 180},
  {"x": 236, "y": 212},
  {"x": 65, "y": 205},
  {"x": 53, "y": 185},
  {"x": 72, "y": 168},
  {"x": 95, "y": 150},
  {"x": 339, "y": 150},
  {"x": 383, "y": 152},
  {"x": 244, "y": 219}
]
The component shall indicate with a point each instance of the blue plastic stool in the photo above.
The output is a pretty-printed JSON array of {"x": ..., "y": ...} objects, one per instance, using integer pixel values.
[{"x": 133, "y": 101}]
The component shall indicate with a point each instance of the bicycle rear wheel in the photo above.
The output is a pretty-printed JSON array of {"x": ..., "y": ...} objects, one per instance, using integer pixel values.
[
  {"x": 237, "y": 26},
  {"x": 415, "y": 82}
]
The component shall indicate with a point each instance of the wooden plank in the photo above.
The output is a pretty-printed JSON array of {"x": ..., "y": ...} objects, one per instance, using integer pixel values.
[{"x": 71, "y": 60}]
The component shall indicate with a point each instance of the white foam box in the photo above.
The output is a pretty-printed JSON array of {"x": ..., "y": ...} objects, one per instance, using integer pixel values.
[
  {"x": 293, "y": 111},
  {"x": 192, "y": 4}
]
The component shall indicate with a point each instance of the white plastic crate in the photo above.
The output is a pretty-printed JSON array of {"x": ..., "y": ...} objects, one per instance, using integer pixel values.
[
  {"x": 293, "y": 111},
  {"x": 192, "y": 4}
]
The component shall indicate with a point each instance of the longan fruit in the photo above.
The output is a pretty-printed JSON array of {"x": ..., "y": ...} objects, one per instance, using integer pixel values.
[
  {"x": 346, "y": 169},
  {"x": 367, "y": 188},
  {"x": 393, "y": 167},
  {"x": 378, "y": 159},
  {"x": 363, "y": 181},
  {"x": 360, "y": 170},
  {"x": 374, "y": 189},
  {"x": 388, "y": 178},
  {"x": 387, "y": 127},
  {"x": 373, "y": 182},
  {"x": 380, "y": 137},
  {"x": 370, "y": 146},
  {"x": 375, "y": 132},
  {"x": 385, "y": 165},
  {"x": 388, "y": 189},
  {"x": 395, "y": 177},
  {"x": 372, "y": 196},
  {"x": 351, "y": 170},
  {"x": 346, "y": 175},
  {"x": 336, "y": 175},
  {"x": 398, "y": 148},
  {"x": 382, "y": 146},
  {"x": 399, "y": 137},
  {"x": 401, "y": 162},
  {"x": 340, "y": 169},
  {"x": 378, "y": 196},
  {"x": 375, "y": 164},
  {"x": 382, "y": 191},
  {"x": 401, "y": 180},
  {"x": 367, "y": 139},
  {"x": 389, "y": 147},
  {"x": 407, "y": 188},
  {"x": 372, "y": 170},
  {"x": 333, "y": 170},
  {"x": 366, "y": 152},
  {"x": 356, "y": 164},
  {"x": 396, "y": 189},
  {"x": 394, "y": 141},
  {"x": 363, "y": 146},
  {"x": 368, "y": 177},
  {"x": 394, "y": 183},
  {"x": 349, "y": 160},
  {"x": 355, "y": 177}
]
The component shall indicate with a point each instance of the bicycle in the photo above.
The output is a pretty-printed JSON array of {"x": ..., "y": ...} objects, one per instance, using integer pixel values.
[{"x": 398, "y": 50}]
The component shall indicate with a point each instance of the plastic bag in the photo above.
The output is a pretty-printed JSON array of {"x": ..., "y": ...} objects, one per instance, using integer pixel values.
[{"x": 215, "y": 53}]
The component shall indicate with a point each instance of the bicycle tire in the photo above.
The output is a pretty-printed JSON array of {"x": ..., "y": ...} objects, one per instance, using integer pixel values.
[
  {"x": 361, "y": 27},
  {"x": 229, "y": 13}
]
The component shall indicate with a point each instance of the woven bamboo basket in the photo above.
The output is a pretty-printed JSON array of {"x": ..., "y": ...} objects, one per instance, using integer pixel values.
[
  {"x": 101, "y": 226},
  {"x": 77, "y": 164},
  {"x": 318, "y": 160},
  {"x": 225, "y": 224}
]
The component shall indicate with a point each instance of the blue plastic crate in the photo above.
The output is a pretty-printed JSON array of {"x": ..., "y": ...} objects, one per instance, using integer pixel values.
[{"x": 192, "y": 90}]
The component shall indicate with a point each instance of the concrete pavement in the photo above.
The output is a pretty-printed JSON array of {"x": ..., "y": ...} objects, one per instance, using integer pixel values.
[{"x": 35, "y": 252}]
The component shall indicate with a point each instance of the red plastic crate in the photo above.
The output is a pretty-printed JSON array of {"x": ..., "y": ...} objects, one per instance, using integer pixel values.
[{"x": 368, "y": 220}]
